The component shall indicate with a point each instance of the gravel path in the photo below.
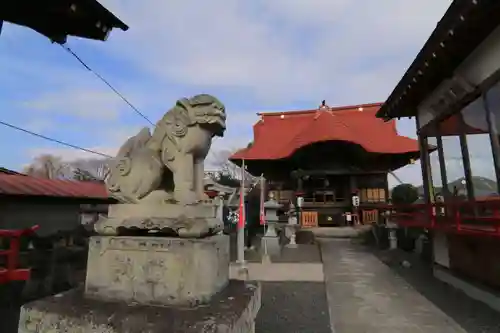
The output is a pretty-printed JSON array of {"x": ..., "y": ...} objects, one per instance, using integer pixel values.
[{"x": 293, "y": 307}]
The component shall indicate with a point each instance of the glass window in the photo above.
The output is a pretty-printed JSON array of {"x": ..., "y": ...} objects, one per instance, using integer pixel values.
[
  {"x": 480, "y": 153},
  {"x": 435, "y": 171},
  {"x": 455, "y": 172}
]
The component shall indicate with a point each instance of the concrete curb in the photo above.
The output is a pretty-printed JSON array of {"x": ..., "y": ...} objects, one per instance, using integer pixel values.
[{"x": 278, "y": 272}]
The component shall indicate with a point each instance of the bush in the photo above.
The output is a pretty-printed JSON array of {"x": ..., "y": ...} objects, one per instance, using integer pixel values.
[{"x": 404, "y": 194}]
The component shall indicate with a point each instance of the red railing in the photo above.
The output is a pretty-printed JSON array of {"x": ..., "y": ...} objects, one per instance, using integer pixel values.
[
  {"x": 11, "y": 272},
  {"x": 463, "y": 217}
]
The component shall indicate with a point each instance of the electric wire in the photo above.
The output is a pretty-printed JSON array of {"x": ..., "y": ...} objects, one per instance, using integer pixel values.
[
  {"x": 53, "y": 140},
  {"x": 63, "y": 143},
  {"x": 106, "y": 82}
]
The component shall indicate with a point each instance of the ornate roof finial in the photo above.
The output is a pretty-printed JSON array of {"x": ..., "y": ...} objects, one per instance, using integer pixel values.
[{"x": 323, "y": 105}]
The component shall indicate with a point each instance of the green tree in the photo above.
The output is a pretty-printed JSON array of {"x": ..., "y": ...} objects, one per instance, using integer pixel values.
[{"x": 404, "y": 194}]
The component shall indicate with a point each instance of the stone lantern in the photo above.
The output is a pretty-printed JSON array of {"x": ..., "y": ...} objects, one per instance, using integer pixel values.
[{"x": 270, "y": 241}]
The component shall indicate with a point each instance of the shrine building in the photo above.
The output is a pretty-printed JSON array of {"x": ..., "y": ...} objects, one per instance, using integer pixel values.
[
  {"x": 452, "y": 89},
  {"x": 326, "y": 156}
]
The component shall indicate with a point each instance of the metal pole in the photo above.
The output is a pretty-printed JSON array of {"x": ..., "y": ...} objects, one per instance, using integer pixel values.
[
  {"x": 242, "y": 219},
  {"x": 263, "y": 220}
]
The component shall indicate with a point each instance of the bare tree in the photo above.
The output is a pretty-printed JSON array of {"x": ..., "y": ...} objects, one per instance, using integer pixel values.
[
  {"x": 53, "y": 167},
  {"x": 47, "y": 166},
  {"x": 95, "y": 169},
  {"x": 228, "y": 172},
  {"x": 220, "y": 159}
]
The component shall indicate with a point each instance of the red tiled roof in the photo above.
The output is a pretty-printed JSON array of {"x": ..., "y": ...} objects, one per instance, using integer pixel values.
[
  {"x": 278, "y": 135},
  {"x": 32, "y": 186}
]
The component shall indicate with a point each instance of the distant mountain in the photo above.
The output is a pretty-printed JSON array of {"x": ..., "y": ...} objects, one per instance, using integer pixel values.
[{"x": 482, "y": 186}]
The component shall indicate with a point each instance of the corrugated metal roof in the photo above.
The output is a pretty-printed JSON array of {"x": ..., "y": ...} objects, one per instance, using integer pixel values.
[
  {"x": 10, "y": 172},
  {"x": 32, "y": 186}
]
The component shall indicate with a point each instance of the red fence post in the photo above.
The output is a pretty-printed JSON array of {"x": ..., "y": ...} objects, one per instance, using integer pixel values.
[
  {"x": 11, "y": 271},
  {"x": 496, "y": 215},
  {"x": 457, "y": 218}
]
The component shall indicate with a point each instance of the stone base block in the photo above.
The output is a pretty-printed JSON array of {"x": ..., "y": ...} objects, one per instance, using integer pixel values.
[
  {"x": 232, "y": 310},
  {"x": 186, "y": 221},
  {"x": 157, "y": 270},
  {"x": 271, "y": 244}
]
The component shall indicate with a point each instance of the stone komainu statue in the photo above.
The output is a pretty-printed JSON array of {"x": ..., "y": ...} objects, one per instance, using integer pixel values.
[{"x": 169, "y": 164}]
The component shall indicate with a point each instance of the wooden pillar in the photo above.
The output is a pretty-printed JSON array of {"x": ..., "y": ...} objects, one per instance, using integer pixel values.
[
  {"x": 465, "y": 157},
  {"x": 494, "y": 139},
  {"x": 425, "y": 165},
  {"x": 442, "y": 166}
]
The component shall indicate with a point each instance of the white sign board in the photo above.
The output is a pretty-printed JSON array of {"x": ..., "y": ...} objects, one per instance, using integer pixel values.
[
  {"x": 355, "y": 200},
  {"x": 300, "y": 201}
]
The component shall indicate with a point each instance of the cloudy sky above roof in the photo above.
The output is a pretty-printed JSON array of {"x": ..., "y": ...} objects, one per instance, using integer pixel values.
[{"x": 256, "y": 56}]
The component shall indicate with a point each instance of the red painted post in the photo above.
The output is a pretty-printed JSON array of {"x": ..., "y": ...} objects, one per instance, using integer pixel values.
[
  {"x": 11, "y": 272},
  {"x": 496, "y": 215}
]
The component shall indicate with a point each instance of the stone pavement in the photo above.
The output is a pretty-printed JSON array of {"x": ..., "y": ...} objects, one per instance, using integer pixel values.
[
  {"x": 473, "y": 316},
  {"x": 366, "y": 296}
]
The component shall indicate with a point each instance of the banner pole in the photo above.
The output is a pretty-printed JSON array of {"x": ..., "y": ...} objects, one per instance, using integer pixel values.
[
  {"x": 263, "y": 221},
  {"x": 242, "y": 218}
]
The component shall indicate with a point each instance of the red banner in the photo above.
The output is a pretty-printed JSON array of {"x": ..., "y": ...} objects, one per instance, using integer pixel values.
[
  {"x": 241, "y": 220},
  {"x": 262, "y": 195}
]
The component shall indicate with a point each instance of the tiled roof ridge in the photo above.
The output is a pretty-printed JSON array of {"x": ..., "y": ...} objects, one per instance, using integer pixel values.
[{"x": 339, "y": 108}]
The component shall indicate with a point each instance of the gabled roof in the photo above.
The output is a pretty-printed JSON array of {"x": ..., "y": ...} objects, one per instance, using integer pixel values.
[
  {"x": 278, "y": 135},
  {"x": 31, "y": 186}
]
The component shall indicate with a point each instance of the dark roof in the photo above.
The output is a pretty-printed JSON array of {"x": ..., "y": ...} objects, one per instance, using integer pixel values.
[
  {"x": 57, "y": 19},
  {"x": 10, "y": 172},
  {"x": 31, "y": 186},
  {"x": 278, "y": 135},
  {"x": 464, "y": 26}
]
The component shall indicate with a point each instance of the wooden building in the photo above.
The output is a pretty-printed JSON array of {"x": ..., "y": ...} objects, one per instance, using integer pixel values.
[
  {"x": 327, "y": 155},
  {"x": 55, "y": 205},
  {"x": 452, "y": 88}
]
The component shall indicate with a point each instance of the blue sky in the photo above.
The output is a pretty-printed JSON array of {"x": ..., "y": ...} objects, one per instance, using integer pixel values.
[{"x": 255, "y": 56}]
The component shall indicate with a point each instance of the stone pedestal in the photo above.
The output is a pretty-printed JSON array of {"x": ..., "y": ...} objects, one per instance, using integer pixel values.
[
  {"x": 150, "y": 284},
  {"x": 186, "y": 221},
  {"x": 270, "y": 242},
  {"x": 157, "y": 270},
  {"x": 233, "y": 310}
]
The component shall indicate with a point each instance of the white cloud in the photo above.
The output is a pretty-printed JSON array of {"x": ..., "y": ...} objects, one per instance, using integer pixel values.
[
  {"x": 82, "y": 103},
  {"x": 261, "y": 53},
  {"x": 70, "y": 154},
  {"x": 277, "y": 49}
]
